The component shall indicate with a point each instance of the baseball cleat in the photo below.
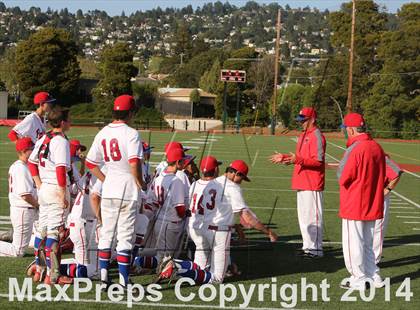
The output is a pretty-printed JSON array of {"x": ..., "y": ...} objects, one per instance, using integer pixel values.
[
  {"x": 168, "y": 271},
  {"x": 7, "y": 236},
  {"x": 61, "y": 280},
  {"x": 31, "y": 269}
]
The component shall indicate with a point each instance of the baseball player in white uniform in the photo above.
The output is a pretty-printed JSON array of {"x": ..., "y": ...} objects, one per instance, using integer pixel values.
[
  {"x": 119, "y": 147},
  {"x": 222, "y": 199},
  {"x": 210, "y": 168},
  {"x": 49, "y": 164},
  {"x": 33, "y": 125},
  {"x": 23, "y": 201}
]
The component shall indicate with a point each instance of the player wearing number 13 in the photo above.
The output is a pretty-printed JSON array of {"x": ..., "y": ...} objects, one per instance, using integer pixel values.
[{"x": 119, "y": 147}]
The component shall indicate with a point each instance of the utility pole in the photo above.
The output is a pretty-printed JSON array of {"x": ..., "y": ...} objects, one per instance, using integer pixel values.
[
  {"x": 349, "y": 104},
  {"x": 182, "y": 58},
  {"x": 276, "y": 73}
]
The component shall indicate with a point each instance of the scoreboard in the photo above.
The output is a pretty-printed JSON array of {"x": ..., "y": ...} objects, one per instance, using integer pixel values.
[{"x": 233, "y": 76}]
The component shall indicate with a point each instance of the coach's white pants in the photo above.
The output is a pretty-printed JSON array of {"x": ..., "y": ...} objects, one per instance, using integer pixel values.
[
  {"x": 166, "y": 236},
  {"x": 52, "y": 215},
  {"x": 118, "y": 217},
  {"x": 309, "y": 209},
  {"x": 22, "y": 219},
  {"x": 380, "y": 230},
  {"x": 358, "y": 249}
]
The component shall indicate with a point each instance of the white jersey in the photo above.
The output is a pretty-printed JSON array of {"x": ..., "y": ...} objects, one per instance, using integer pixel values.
[
  {"x": 218, "y": 210},
  {"x": 97, "y": 186},
  {"x": 77, "y": 182},
  {"x": 196, "y": 200},
  {"x": 186, "y": 182},
  {"x": 115, "y": 145},
  {"x": 82, "y": 209},
  {"x": 20, "y": 183},
  {"x": 31, "y": 126},
  {"x": 58, "y": 156},
  {"x": 167, "y": 192}
]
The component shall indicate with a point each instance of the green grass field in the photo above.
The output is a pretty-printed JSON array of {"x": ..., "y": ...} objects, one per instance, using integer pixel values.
[{"x": 260, "y": 261}]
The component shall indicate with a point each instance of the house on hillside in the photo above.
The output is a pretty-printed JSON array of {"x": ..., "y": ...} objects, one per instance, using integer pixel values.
[{"x": 176, "y": 101}]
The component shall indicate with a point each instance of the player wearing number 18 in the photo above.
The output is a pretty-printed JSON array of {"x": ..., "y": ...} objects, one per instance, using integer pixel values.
[{"x": 119, "y": 147}]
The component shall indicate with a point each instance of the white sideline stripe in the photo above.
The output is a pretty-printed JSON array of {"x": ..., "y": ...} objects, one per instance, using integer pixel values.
[
  {"x": 3, "y": 231},
  {"x": 4, "y": 217},
  {"x": 213, "y": 137},
  {"x": 416, "y": 228},
  {"x": 406, "y": 199},
  {"x": 336, "y": 145},
  {"x": 280, "y": 190},
  {"x": 394, "y": 192},
  {"x": 160, "y": 305},
  {"x": 408, "y": 217},
  {"x": 5, "y": 222},
  {"x": 335, "y": 242},
  {"x": 203, "y": 139},
  {"x": 326, "y": 210},
  {"x": 412, "y": 173},
  {"x": 401, "y": 203},
  {"x": 410, "y": 208},
  {"x": 411, "y": 222},
  {"x": 192, "y": 147},
  {"x": 194, "y": 142},
  {"x": 255, "y": 157}
]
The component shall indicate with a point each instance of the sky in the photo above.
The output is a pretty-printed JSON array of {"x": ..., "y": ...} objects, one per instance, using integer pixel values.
[{"x": 115, "y": 7}]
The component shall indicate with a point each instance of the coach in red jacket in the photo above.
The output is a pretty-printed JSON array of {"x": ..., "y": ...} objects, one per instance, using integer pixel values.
[
  {"x": 361, "y": 176},
  {"x": 308, "y": 180}
]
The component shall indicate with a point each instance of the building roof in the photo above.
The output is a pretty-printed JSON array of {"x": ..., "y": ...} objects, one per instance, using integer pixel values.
[{"x": 183, "y": 92}]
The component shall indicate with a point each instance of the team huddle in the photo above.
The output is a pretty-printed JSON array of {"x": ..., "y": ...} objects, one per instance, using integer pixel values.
[{"x": 118, "y": 210}]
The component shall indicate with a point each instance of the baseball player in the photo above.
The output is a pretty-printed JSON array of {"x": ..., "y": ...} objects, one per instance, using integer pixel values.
[
  {"x": 361, "y": 178},
  {"x": 222, "y": 199},
  {"x": 392, "y": 177},
  {"x": 119, "y": 147},
  {"x": 210, "y": 168},
  {"x": 23, "y": 201},
  {"x": 49, "y": 164},
  {"x": 33, "y": 125},
  {"x": 308, "y": 180}
]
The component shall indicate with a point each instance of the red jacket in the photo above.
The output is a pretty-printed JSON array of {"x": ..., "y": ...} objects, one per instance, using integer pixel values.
[
  {"x": 361, "y": 177},
  {"x": 309, "y": 170}
]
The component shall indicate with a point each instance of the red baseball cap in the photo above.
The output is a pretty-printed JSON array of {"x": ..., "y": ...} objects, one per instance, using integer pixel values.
[
  {"x": 353, "y": 120},
  {"x": 175, "y": 145},
  {"x": 241, "y": 167},
  {"x": 209, "y": 163},
  {"x": 24, "y": 144},
  {"x": 306, "y": 113},
  {"x": 42, "y": 97},
  {"x": 174, "y": 154},
  {"x": 124, "y": 103},
  {"x": 76, "y": 145}
]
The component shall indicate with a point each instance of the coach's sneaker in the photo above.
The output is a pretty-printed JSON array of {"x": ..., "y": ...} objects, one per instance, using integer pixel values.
[
  {"x": 377, "y": 281},
  {"x": 7, "y": 236}
]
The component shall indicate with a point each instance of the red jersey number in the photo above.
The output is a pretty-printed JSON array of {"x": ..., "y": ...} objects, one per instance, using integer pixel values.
[
  {"x": 114, "y": 150},
  {"x": 197, "y": 205},
  {"x": 41, "y": 155}
]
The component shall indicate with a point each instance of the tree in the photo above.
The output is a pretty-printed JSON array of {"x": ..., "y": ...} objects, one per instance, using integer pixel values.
[
  {"x": 116, "y": 69},
  {"x": 48, "y": 61},
  {"x": 8, "y": 70},
  {"x": 195, "y": 97},
  {"x": 210, "y": 80}
]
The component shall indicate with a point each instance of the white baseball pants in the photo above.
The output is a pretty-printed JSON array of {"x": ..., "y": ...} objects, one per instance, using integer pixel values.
[
  {"x": 309, "y": 210},
  {"x": 51, "y": 212},
  {"x": 358, "y": 249},
  {"x": 22, "y": 219},
  {"x": 84, "y": 235},
  {"x": 202, "y": 247},
  {"x": 118, "y": 217},
  {"x": 380, "y": 230}
]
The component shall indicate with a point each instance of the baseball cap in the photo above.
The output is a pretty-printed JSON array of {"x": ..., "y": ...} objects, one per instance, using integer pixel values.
[
  {"x": 76, "y": 145},
  {"x": 306, "y": 113},
  {"x": 241, "y": 167},
  {"x": 353, "y": 120},
  {"x": 42, "y": 97},
  {"x": 188, "y": 159},
  {"x": 175, "y": 145},
  {"x": 24, "y": 144},
  {"x": 146, "y": 147},
  {"x": 124, "y": 103},
  {"x": 174, "y": 154},
  {"x": 209, "y": 163}
]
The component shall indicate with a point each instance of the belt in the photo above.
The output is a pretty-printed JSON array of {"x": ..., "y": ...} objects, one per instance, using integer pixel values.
[
  {"x": 173, "y": 222},
  {"x": 220, "y": 228}
]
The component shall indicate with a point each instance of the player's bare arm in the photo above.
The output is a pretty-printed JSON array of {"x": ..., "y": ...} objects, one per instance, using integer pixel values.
[
  {"x": 137, "y": 172},
  {"x": 95, "y": 203},
  {"x": 248, "y": 217},
  {"x": 97, "y": 173},
  {"x": 391, "y": 185}
]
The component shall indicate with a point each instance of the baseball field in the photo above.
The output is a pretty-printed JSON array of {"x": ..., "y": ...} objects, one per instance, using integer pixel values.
[{"x": 275, "y": 265}]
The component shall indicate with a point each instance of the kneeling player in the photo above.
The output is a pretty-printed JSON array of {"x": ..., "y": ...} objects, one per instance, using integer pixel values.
[
  {"x": 23, "y": 201},
  {"x": 222, "y": 199}
]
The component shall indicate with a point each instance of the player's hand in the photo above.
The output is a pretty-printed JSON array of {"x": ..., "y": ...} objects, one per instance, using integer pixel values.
[
  {"x": 272, "y": 235},
  {"x": 291, "y": 159}
]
